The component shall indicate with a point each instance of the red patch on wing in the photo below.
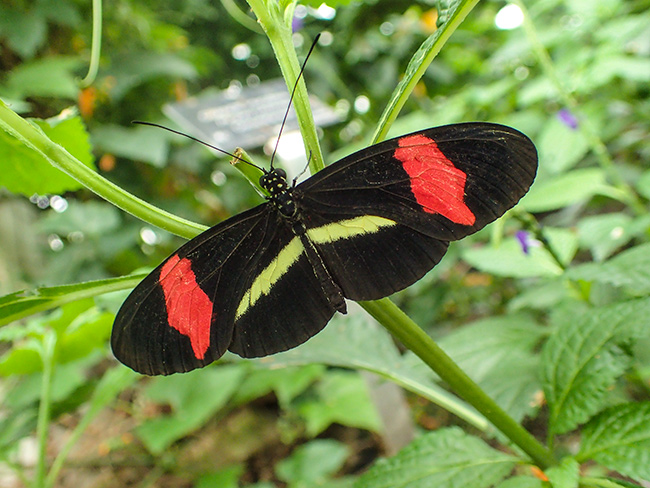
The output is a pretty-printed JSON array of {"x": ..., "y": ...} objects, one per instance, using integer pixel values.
[
  {"x": 438, "y": 186},
  {"x": 189, "y": 310}
]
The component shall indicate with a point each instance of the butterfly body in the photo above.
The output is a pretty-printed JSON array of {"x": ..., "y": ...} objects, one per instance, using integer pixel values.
[{"x": 369, "y": 225}]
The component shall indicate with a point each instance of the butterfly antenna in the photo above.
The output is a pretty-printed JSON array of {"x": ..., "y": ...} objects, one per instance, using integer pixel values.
[
  {"x": 152, "y": 124},
  {"x": 293, "y": 92}
]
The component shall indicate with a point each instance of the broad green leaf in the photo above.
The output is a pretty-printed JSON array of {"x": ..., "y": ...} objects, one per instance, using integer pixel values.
[
  {"x": 576, "y": 186},
  {"x": 357, "y": 342},
  {"x": 52, "y": 76},
  {"x": 24, "y": 171},
  {"x": 604, "y": 234},
  {"x": 564, "y": 475},
  {"x": 138, "y": 143},
  {"x": 619, "y": 438},
  {"x": 224, "y": 478},
  {"x": 136, "y": 68},
  {"x": 498, "y": 354},
  {"x": 312, "y": 463},
  {"x": 560, "y": 147},
  {"x": 583, "y": 358},
  {"x": 447, "y": 457},
  {"x": 630, "y": 269},
  {"x": 194, "y": 398},
  {"x": 342, "y": 397},
  {"x": 287, "y": 383},
  {"x": 509, "y": 260}
]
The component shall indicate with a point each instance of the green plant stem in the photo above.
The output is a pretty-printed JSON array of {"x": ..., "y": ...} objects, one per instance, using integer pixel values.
[
  {"x": 415, "y": 339},
  {"x": 96, "y": 46},
  {"x": 277, "y": 26},
  {"x": 43, "y": 423},
  {"x": 584, "y": 125},
  {"x": 58, "y": 157}
]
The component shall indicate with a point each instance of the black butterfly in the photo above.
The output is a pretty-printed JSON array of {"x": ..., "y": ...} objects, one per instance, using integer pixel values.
[{"x": 369, "y": 225}]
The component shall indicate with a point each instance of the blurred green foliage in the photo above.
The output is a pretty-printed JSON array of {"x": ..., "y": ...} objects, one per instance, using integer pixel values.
[{"x": 557, "y": 336}]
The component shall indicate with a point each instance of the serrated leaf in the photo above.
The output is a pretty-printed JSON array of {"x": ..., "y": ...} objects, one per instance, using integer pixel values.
[
  {"x": 564, "y": 475},
  {"x": 447, "y": 457},
  {"x": 191, "y": 406},
  {"x": 557, "y": 192},
  {"x": 26, "y": 172},
  {"x": 619, "y": 438},
  {"x": 498, "y": 354},
  {"x": 584, "y": 357},
  {"x": 630, "y": 269}
]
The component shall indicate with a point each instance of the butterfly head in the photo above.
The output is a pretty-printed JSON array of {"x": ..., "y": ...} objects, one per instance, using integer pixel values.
[{"x": 275, "y": 182}]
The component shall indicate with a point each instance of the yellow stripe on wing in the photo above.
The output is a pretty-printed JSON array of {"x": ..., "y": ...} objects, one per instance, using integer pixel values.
[
  {"x": 270, "y": 275},
  {"x": 367, "y": 224}
]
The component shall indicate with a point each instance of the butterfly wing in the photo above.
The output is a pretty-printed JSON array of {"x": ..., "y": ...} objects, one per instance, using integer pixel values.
[
  {"x": 384, "y": 216},
  {"x": 198, "y": 302}
]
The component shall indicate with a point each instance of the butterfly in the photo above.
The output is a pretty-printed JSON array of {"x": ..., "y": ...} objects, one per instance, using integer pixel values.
[{"x": 363, "y": 228}]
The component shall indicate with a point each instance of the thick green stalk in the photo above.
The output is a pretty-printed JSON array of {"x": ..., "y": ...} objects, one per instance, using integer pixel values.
[
  {"x": 415, "y": 339},
  {"x": 58, "y": 157},
  {"x": 276, "y": 22}
]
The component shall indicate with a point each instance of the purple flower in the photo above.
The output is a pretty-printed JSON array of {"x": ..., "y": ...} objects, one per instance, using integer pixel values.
[
  {"x": 297, "y": 23},
  {"x": 567, "y": 118},
  {"x": 524, "y": 240}
]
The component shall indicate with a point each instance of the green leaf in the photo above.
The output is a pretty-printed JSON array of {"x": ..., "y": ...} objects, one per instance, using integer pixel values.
[
  {"x": 565, "y": 475},
  {"x": 24, "y": 33},
  {"x": 191, "y": 406},
  {"x": 447, "y": 457},
  {"x": 224, "y": 478},
  {"x": 509, "y": 260},
  {"x": 146, "y": 144},
  {"x": 619, "y": 438},
  {"x": 630, "y": 269},
  {"x": 311, "y": 464},
  {"x": 287, "y": 383},
  {"x": 136, "y": 68},
  {"x": 342, "y": 397},
  {"x": 521, "y": 482},
  {"x": 24, "y": 171},
  {"x": 584, "y": 357},
  {"x": 498, "y": 354},
  {"x": 47, "y": 77},
  {"x": 560, "y": 147},
  {"x": 576, "y": 186},
  {"x": 358, "y": 342},
  {"x": 604, "y": 234}
]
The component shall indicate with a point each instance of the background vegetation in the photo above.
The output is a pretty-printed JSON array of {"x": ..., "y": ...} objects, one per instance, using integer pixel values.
[{"x": 547, "y": 310}]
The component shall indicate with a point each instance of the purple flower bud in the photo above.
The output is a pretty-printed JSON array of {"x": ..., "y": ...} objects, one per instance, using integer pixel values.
[
  {"x": 524, "y": 240},
  {"x": 567, "y": 118}
]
